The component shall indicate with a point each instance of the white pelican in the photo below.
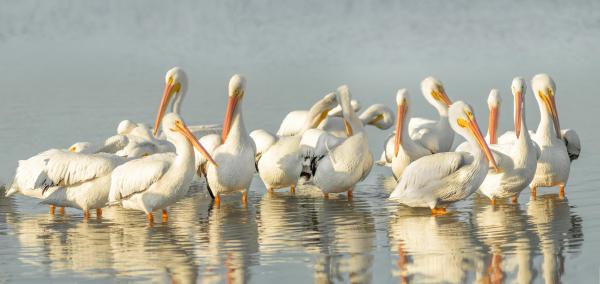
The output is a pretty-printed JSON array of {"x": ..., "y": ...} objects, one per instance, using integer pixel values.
[
  {"x": 294, "y": 121},
  {"x": 236, "y": 155},
  {"x": 341, "y": 168},
  {"x": 263, "y": 140},
  {"x": 437, "y": 180},
  {"x": 437, "y": 136},
  {"x": 492, "y": 135},
  {"x": 155, "y": 182},
  {"x": 558, "y": 147},
  {"x": 400, "y": 150},
  {"x": 111, "y": 145},
  {"x": 517, "y": 160},
  {"x": 66, "y": 179},
  {"x": 281, "y": 164}
]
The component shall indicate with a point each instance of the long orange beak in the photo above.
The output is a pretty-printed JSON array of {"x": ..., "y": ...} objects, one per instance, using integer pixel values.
[
  {"x": 518, "y": 111},
  {"x": 493, "y": 125},
  {"x": 167, "y": 92},
  {"x": 231, "y": 105},
  {"x": 401, "y": 111},
  {"x": 183, "y": 129},
  {"x": 551, "y": 105},
  {"x": 442, "y": 96},
  {"x": 481, "y": 141},
  {"x": 348, "y": 127}
]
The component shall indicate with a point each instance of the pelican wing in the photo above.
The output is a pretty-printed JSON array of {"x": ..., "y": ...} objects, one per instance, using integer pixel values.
[
  {"x": 210, "y": 143},
  {"x": 114, "y": 144},
  {"x": 138, "y": 175},
  {"x": 417, "y": 127},
  {"x": 63, "y": 168},
  {"x": 422, "y": 178},
  {"x": 572, "y": 142},
  {"x": 203, "y": 130}
]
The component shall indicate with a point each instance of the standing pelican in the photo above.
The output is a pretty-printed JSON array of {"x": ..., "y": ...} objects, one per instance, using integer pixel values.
[
  {"x": 517, "y": 160},
  {"x": 351, "y": 161},
  {"x": 492, "y": 135},
  {"x": 281, "y": 164},
  {"x": 558, "y": 148},
  {"x": 157, "y": 181},
  {"x": 437, "y": 136},
  {"x": 400, "y": 150},
  {"x": 294, "y": 121},
  {"x": 67, "y": 179},
  {"x": 437, "y": 180},
  {"x": 236, "y": 153}
]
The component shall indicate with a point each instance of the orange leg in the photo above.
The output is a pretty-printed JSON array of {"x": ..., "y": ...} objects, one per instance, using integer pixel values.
[
  {"x": 292, "y": 190},
  {"x": 52, "y": 209},
  {"x": 438, "y": 211},
  {"x": 86, "y": 214},
  {"x": 562, "y": 191},
  {"x": 494, "y": 202},
  {"x": 350, "y": 194},
  {"x": 165, "y": 215},
  {"x": 326, "y": 195},
  {"x": 270, "y": 190},
  {"x": 150, "y": 217},
  {"x": 61, "y": 210},
  {"x": 245, "y": 198},
  {"x": 98, "y": 213},
  {"x": 515, "y": 199},
  {"x": 218, "y": 200},
  {"x": 533, "y": 192}
]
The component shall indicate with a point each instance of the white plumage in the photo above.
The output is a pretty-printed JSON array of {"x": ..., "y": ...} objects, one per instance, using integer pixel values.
[
  {"x": 293, "y": 122},
  {"x": 437, "y": 180},
  {"x": 491, "y": 137},
  {"x": 437, "y": 136}
]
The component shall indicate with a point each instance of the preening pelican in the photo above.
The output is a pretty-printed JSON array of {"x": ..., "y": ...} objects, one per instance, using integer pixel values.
[
  {"x": 342, "y": 167},
  {"x": 111, "y": 145},
  {"x": 437, "y": 136},
  {"x": 155, "y": 182},
  {"x": 437, "y": 180},
  {"x": 294, "y": 121},
  {"x": 281, "y": 164},
  {"x": 400, "y": 150},
  {"x": 66, "y": 179},
  {"x": 558, "y": 147},
  {"x": 518, "y": 160},
  {"x": 492, "y": 135},
  {"x": 236, "y": 155}
]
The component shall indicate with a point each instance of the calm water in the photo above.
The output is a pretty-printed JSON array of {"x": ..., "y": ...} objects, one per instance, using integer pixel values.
[{"x": 71, "y": 70}]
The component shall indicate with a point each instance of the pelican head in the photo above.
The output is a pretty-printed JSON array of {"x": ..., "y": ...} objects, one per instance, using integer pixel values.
[
  {"x": 125, "y": 127},
  {"x": 494, "y": 107},
  {"x": 544, "y": 89},
  {"x": 518, "y": 88},
  {"x": 320, "y": 110},
  {"x": 401, "y": 109},
  {"x": 378, "y": 115},
  {"x": 462, "y": 120},
  {"x": 237, "y": 89},
  {"x": 337, "y": 111},
  {"x": 82, "y": 147},
  {"x": 343, "y": 98},
  {"x": 434, "y": 92},
  {"x": 175, "y": 87},
  {"x": 176, "y": 130}
]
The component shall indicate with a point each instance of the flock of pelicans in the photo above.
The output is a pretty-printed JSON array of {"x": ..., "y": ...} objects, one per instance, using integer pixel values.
[{"x": 326, "y": 146}]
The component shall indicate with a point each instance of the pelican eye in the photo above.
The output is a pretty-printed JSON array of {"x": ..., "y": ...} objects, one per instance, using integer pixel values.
[
  {"x": 462, "y": 123},
  {"x": 550, "y": 92},
  {"x": 469, "y": 114},
  {"x": 170, "y": 80}
]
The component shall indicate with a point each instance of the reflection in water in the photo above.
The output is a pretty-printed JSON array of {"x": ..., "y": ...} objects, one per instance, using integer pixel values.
[
  {"x": 333, "y": 240},
  {"x": 434, "y": 249},
  {"x": 558, "y": 229}
]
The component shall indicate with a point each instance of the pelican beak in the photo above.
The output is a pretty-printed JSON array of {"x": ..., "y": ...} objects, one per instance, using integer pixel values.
[
  {"x": 376, "y": 119},
  {"x": 481, "y": 141},
  {"x": 518, "y": 110},
  {"x": 164, "y": 102},
  {"x": 321, "y": 117},
  {"x": 441, "y": 95},
  {"x": 493, "y": 125},
  {"x": 551, "y": 106},
  {"x": 183, "y": 129},
  {"x": 401, "y": 111},
  {"x": 73, "y": 149},
  {"x": 231, "y": 106},
  {"x": 348, "y": 127}
]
